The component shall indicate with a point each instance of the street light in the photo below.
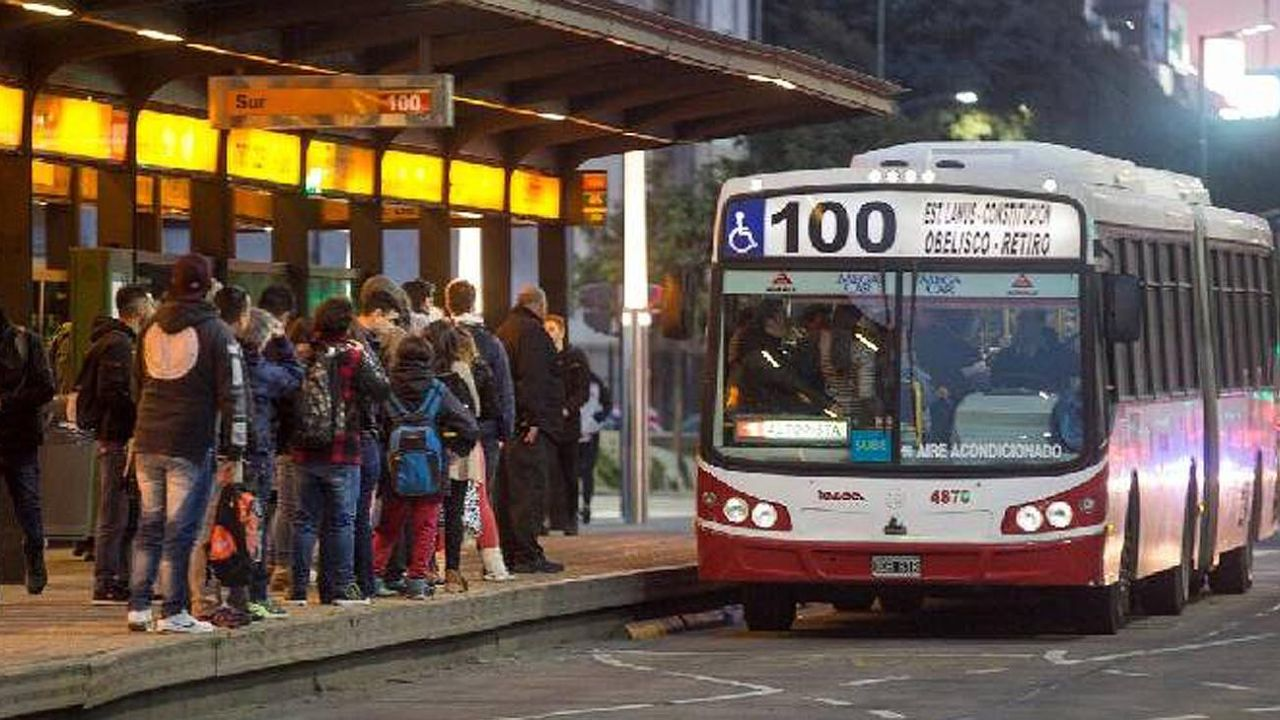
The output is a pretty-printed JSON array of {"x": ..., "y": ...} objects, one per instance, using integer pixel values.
[
  {"x": 967, "y": 97},
  {"x": 1241, "y": 33}
]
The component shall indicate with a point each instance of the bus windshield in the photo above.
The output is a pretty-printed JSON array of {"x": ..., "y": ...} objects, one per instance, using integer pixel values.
[{"x": 907, "y": 368}]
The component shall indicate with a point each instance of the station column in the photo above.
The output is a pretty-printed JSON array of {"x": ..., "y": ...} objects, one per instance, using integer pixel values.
[
  {"x": 366, "y": 236},
  {"x": 495, "y": 254},
  {"x": 293, "y": 218},
  {"x": 553, "y": 266},
  {"x": 435, "y": 249},
  {"x": 15, "y": 237}
]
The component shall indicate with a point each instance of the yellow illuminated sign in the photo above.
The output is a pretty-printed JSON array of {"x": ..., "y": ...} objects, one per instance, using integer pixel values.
[
  {"x": 476, "y": 186},
  {"x": 589, "y": 198},
  {"x": 88, "y": 184},
  {"x": 253, "y": 205},
  {"x": 408, "y": 176},
  {"x": 79, "y": 128},
  {"x": 339, "y": 168},
  {"x": 10, "y": 116},
  {"x": 175, "y": 195},
  {"x": 264, "y": 155},
  {"x": 397, "y": 214},
  {"x": 50, "y": 180},
  {"x": 335, "y": 213},
  {"x": 145, "y": 193},
  {"x": 176, "y": 142},
  {"x": 535, "y": 195}
]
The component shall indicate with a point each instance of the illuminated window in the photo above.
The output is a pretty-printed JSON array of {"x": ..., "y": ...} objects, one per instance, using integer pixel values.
[
  {"x": 177, "y": 142},
  {"x": 10, "y": 117},
  {"x": 339, "y": 168},
  {"x": 410, "y": 176},
  {"x": 535, "y": 195},
  {"x": 264, "y": 155},
  {"x": 476, "y": 186}
]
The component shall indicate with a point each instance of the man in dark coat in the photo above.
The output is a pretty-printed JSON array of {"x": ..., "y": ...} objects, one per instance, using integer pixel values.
[
  {"x": 107, "y": 379},
  {"x": 539, "y": 425},
  {"x": 26, "y": 384}
]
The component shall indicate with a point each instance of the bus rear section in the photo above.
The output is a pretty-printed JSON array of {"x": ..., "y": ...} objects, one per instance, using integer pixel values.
[{"x": 913, "y": 392}]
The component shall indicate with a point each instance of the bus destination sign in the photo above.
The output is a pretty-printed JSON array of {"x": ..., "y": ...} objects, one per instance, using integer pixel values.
[
  {"x": 900, "y": 224},
  {"x": 338, "y": 101}
]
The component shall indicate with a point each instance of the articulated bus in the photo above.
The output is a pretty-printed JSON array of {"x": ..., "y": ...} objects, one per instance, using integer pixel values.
[{"x": 954, "y": 367}]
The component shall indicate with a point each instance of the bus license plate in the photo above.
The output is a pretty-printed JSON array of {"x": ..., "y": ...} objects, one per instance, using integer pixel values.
[{"x": 895, "y": 566}]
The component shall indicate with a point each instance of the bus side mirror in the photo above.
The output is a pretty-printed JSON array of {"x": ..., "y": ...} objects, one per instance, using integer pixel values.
[{"x": 1122, "y": 305}]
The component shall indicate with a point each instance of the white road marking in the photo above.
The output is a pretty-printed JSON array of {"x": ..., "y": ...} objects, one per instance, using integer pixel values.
[
  {"x": 752, "y": 689},
  {"x": 832, "y": 702},
  {"x": 1183, "y": 717},
  {"x": 582, "y": 711},
  {"x": 1126, "y": 673},
  {"x": 1269, "y": 611},
  {"x": 1228, "y": 686},
  {"x": 1272, "y": 709},
  {"x": 1059, "y": 657},
  {"x": 986, "y": 671},
  {"x": 876, "y": 681},
  {"x": 887, "y": 714}
]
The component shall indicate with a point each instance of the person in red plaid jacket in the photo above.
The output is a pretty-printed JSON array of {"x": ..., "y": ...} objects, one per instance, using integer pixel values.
[{"x": 329, "y": 477}]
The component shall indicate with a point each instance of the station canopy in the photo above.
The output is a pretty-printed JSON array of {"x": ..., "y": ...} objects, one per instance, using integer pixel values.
[{"x": 543, "y": 83}]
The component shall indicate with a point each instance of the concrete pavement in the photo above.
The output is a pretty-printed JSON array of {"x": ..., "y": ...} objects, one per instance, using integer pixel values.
[
  {"x": 973, "y": 659},
  {"x": 60, "y": 653}
]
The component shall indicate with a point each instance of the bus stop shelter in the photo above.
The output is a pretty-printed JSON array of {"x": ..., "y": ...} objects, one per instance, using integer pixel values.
[{"x": 103, "y": 104}]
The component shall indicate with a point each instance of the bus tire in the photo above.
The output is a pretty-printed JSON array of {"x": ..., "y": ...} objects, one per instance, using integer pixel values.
[
  {"x": 1168, "y": 592},
  {"x": 901, "y": 601},
  {"x": 1105, "y": 610},
  {"x": 1234, "y": 574},
  {"x": 857, "y": 599},
  {"x": 768, "y": 608}
]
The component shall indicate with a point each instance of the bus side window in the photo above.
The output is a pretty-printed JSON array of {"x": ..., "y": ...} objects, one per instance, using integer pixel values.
[
  {"x": 1152, "y": 328},
  {"x": 1187, "y": 317}
]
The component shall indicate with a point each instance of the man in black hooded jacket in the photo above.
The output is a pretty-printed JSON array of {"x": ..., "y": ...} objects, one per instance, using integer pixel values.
[
  {"x": 107, "y": 379},
  {"x": 26, "y": 384}
]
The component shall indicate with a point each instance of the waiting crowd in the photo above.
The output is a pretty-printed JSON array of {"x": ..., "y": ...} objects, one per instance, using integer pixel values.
[{"x": 236, "y": 443}]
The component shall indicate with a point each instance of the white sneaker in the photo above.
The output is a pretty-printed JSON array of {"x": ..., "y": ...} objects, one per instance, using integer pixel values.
[
  {"x": 141, "y": 620},
  {"x": 495, "y": 568},
  {"x": 183, "y": 623}
]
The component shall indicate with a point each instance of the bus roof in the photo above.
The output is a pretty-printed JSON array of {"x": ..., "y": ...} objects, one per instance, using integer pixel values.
[{"x": 1113, "y": 191}]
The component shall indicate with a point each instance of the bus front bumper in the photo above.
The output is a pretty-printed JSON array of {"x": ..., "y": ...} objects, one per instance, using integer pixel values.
[{"x": 1071, "y": 562}]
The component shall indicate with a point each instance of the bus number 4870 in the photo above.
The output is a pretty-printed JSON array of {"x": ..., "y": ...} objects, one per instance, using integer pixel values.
[{"x": 950, "y": 497}]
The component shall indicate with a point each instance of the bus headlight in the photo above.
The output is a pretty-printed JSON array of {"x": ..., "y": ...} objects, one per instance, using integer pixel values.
[
  {"x": 1030, "y": 518},
  {"x": 736, "y": 510},
  {"x": 764, "y": 515},
  {"x": 1058, "y": 514}
]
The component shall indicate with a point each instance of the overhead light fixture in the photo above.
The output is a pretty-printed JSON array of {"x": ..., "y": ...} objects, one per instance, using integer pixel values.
[
  {"x": 1260, "y": 28},
  {"x": 784, "y": 84},
  {"x": 47, "y": 9},
  {"x": 466, "y": 215},
  {"x": 159, "y": 35},
  {"x": 555, "y": 117},
  {"x": 967, "y": 97}
]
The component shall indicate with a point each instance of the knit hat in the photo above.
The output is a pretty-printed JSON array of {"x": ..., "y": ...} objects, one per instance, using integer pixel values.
[{"x": 190, "y": 277}]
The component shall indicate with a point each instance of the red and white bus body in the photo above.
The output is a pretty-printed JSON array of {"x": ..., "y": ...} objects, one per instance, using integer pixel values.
[{"x": 1177, "y": 424}]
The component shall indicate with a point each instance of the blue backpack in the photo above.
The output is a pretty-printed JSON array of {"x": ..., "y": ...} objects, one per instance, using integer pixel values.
[{"x": 418, "y": 461}]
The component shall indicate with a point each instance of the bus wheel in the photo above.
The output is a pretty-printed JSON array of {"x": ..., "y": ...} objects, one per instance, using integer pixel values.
[
  {"x": 1167, "y": 593},
  {"x": 1105, "y": 610},
  {"x": 768, "y": 608},
  {"x": 1234, "y": 574},
  {"x": 853, "y": 599},
  {"x": 901, "y": 601}
]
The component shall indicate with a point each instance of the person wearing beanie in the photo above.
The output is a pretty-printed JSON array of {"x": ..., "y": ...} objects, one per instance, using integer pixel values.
[{"x": 192, "y": 397}]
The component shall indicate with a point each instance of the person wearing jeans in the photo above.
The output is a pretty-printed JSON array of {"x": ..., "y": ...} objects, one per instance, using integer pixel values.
[
  {"x": 192, "y": 402},
  {"x": 328, "y": 465}
]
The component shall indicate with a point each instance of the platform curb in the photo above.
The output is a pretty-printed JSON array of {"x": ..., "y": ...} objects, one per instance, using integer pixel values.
[{"x": 96, "y": 680}]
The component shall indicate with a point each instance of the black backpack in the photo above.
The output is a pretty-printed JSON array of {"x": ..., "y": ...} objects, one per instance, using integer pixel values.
[
  {"x": 318, "y": 408},
  {"x": 88, "y": 411}
]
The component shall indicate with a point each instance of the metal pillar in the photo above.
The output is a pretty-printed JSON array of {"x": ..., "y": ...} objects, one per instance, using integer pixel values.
[
  {"x": 635, "y": 349},
  {"x": 635, "y": 418}
]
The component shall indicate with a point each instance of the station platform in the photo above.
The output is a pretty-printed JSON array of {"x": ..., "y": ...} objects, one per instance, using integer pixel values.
[{"x": 61, "y": 654}]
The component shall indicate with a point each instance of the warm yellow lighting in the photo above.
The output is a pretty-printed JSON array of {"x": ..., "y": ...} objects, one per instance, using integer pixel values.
[
  {"x": 410, "y": 176},
  {"x": 46, "y": 9},
  {"x": 253, "y": 205},
  {"x": 784, "y": 84},
  {"x": 339, "y": 168},
  {"x": 81, "y": 128},
  {"x": 50, "y": 180},
  {"x": 264, "y": 155},
  {"x": 175, "y": 195},
  {"x": 10, "y": 116},
  {"x": 535, "y": 195},
  {"x": 144, "y": 193},
  {"x": 160, "y": 35},
  {"x": 176, "y": 142},
  {"x": 554, "y": 117},
  {"x": 476, "y": 186}
]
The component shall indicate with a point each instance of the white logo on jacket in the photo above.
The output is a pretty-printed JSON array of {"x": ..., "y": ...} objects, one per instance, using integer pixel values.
[{"x": 170, "y": 357}]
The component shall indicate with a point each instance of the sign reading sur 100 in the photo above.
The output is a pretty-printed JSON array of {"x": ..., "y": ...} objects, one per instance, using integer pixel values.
[
  {"x": 337, "y": 101},
  {"x": 878, "y": 223}
]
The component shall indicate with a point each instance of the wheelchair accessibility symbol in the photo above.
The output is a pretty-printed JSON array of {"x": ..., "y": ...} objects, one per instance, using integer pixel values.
[{"x": 744, "y": 228}]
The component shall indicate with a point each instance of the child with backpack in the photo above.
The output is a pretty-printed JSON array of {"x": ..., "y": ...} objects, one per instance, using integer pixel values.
[{"x": 426, "y": 420}]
